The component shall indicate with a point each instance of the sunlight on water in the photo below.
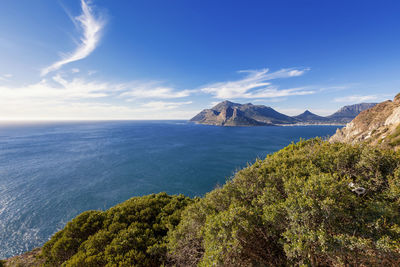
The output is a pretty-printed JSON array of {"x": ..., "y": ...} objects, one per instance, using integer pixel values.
[{"x": 50, "y": 172}]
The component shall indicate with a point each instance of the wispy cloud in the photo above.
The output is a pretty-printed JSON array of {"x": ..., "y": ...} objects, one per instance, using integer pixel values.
[
  {"x": 63, "y": 96},
  {"x": 91, "y": 27},
  {"x": 356, "y": 98},
  {"x": 5, "y": 77},
  {"x": 256, "y": 84},
  {"x": 61, "y": 88},
  {"x": 153, "y": 90},
  {"x": 161, "y": 105}
]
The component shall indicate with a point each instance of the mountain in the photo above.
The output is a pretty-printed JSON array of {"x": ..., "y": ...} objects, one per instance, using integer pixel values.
[
  {"x": 347, "y": 113},
  {"x": 309, "y": 117},
  {"x": 379, "y": 125},
  {"x": 228, "y": 113}
]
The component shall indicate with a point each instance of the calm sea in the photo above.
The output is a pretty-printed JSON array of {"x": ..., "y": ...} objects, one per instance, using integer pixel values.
[{"x": 50, "y": 172}]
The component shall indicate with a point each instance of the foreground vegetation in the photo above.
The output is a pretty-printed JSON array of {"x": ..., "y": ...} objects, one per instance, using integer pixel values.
[
  {"x": 299, "y": 206},
  {"x": 130, "y": 234}
]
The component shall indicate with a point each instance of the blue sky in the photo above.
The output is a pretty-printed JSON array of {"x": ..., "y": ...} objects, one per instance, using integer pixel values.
[{"x": 150, "y": 59}]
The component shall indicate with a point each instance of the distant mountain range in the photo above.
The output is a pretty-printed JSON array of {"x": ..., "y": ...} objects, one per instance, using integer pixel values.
[{"x": 228, "y": 113}]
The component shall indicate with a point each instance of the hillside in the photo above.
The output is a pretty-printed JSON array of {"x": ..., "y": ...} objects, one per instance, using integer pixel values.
[
  {"x": 228, "y": 113},
  {"x": 379, "y": 125}
]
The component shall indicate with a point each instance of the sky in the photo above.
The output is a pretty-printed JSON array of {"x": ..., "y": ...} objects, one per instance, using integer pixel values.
[{"x": 157, "y": 59}]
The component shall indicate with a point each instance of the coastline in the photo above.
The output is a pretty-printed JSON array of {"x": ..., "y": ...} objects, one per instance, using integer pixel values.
[{"x": 278, "y": 125}]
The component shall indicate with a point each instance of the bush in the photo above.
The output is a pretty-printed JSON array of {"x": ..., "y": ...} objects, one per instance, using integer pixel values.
[
  {"x": 132, "y": 233},
  {"x": 297, "y": 207}
]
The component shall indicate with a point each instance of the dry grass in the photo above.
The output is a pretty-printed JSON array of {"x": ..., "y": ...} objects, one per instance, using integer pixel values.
[{"x": 29, "y": 259}]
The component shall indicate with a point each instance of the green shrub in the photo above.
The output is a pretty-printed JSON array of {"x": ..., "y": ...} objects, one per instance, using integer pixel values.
[
  {"x": 132, "y": 233},
  {"x": 296, "y": 208}
]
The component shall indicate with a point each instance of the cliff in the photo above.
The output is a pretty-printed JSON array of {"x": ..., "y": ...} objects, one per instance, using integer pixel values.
[{"x": 379, "y": 125}]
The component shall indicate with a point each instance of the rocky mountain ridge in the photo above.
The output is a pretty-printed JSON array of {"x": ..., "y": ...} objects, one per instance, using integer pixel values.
[
  {"x": 379, "y": 125},
  {"x": 229, "y": 113}
]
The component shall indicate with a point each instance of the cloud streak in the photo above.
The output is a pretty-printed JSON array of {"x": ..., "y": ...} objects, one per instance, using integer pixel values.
[
  {"x": 153, "y": 90},
  {"x": 5, "y": 77},
  {"x": 356, "y": 98},
  {"x": 161, "y": 105},
  {"x": 91, "y": 27},
  {"x": 66, "y": 97},
  {"x": 256, "y": 84}
]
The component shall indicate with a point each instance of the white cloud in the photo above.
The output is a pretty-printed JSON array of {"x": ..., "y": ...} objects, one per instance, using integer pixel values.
[
  {"x": 161, "y": 105},
  {"x": 60, "y": 97},
  {"x": 5, "y": 77},
  {"x": 256, "y": 85},
  {"x": 153, "y": 90},
  {"x": 59, "y": 88},
  {"x": 91, "y": 27},
  {"x": 23, "y": 109},
  {"x": 75, "y": 70},
  {"x": 356, "y": 98}
]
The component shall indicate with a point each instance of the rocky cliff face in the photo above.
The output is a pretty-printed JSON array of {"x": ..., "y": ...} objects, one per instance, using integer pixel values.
[{"x": 379, "y": 125}]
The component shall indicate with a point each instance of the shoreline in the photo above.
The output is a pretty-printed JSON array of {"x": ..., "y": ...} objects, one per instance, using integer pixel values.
[{"x": 277, "y": 125}]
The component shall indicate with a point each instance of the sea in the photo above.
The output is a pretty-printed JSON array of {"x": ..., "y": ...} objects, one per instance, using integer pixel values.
[{"x": 52, "y": 171}]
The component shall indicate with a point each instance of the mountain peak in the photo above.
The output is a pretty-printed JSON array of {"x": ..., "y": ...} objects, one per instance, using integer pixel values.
[
  {"x": 308, "y": 116},
  {"x": 227, "y": 102},
  {"x": 227, "y": 113}
]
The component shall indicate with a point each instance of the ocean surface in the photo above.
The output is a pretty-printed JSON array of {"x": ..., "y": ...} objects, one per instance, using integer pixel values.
[{"x": 50, "y": 172}]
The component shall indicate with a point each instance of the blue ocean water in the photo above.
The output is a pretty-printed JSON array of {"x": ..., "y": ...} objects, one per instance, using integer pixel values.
[{"x": 50, "y": 172}]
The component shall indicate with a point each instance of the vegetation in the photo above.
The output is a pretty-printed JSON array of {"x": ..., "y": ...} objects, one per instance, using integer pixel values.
[
  {"x": 130, "y": 234},
  {"x": 394, "y": 138},
  {"x": 299, "y": 206}
]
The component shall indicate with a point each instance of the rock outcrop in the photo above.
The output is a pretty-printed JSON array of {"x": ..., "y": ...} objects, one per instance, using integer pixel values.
[{"x": 379, "y": 125}]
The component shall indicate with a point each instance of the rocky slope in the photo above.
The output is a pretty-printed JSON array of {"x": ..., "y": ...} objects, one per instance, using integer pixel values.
[
  {"x": 379, "y": 125},
  {"x": 228, "y": 113}
]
